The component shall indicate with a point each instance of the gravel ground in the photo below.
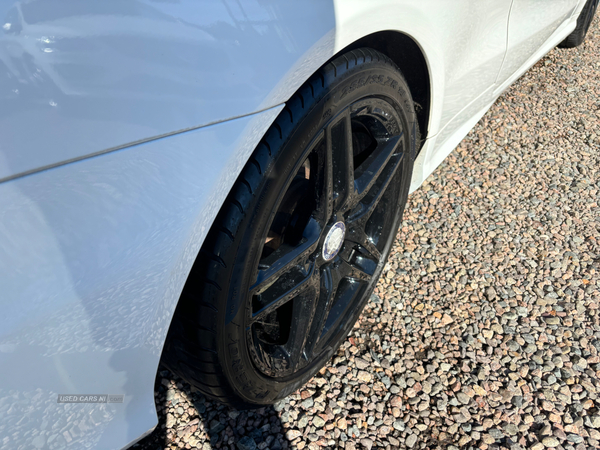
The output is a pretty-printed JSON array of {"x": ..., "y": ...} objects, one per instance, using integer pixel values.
[{"x": 484, "y": 331}]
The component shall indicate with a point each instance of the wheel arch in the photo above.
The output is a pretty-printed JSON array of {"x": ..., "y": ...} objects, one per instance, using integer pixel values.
[{"x": 409, "y": 57}]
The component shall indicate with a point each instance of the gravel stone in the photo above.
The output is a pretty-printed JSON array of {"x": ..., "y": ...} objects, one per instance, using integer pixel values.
[
  {"x": 594, "y": 422},
  {"x": 463, "y": 398},
  {"x": 399, "y": 425},
  {"x": 514, "y": 346},
  {"x": 246, "y": 443},
  {"x": 575, "y": 438},
  {"x": 495, "y": 433},
  {"x": 411, "y": 441},
  {"x": 366, "y": 443},
  {"x": 318, "y": 422},
  {"x": 511, "y": 429},
  {"x": 550, "y": 442}
]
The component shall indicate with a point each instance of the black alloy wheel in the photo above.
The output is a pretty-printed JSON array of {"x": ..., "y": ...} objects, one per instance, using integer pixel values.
[
  {"x": 327, "y": 238},
  {"x": 301, "y": 241}
]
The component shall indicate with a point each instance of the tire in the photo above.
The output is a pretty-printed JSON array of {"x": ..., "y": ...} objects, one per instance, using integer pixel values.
[
  {"x": 584, "y": 21},
  {"x": 302, "y": 238}
]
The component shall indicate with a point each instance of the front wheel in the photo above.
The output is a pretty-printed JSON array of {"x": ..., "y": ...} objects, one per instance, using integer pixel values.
[{"x": 301, "y": 241}]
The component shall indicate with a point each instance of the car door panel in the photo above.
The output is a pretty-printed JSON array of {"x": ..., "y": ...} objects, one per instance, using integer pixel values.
[
  {"x": 531, "y": 24},
  {"x": 475, "y": 48}
]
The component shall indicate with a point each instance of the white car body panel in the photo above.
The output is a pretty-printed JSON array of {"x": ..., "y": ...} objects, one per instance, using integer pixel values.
[
  {"x": 531, "y": 25},
  {"x": 95, "y": 76},
  {"x": 133, "y": 240},
  {"x": 452, "y": 39},
  {"x": 438, "y": 146},
  {"x": 109, "y": 181}
]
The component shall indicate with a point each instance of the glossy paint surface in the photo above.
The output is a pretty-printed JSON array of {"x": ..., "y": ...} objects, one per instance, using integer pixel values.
[
  {"x": 94, "y": 253},
  {"x": 464, "y": 43},
  {"x": 79, "y": 77},
  {"x": 532, "y": 22},
  {"x": 520, "y": 58},
  {"x": 93, "y": 257}
]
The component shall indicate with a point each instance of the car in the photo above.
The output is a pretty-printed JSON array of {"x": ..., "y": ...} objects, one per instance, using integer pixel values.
[{"x": 215, "y": 186}]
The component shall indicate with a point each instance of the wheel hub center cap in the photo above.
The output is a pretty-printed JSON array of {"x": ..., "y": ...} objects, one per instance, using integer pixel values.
[{"x": 334, "y": 240}]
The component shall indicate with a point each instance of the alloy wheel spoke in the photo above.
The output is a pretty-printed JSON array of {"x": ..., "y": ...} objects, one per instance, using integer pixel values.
[
  {"x": 352, "y": 262},
  {"x": 323, "y": 177},
  {"x": 302, "y": 317},
  {"x": 331, "y": 277},
  {"x": 340, "y": 161},
  {"x": 367, "y": 175},
  {"x": 300, "y": 285},
  {"x": 287, "y": 258},
  {"x": 369, "y": 200},
  {"x": 357, "y": 235},
  {"x": 356, "y": 272}
]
